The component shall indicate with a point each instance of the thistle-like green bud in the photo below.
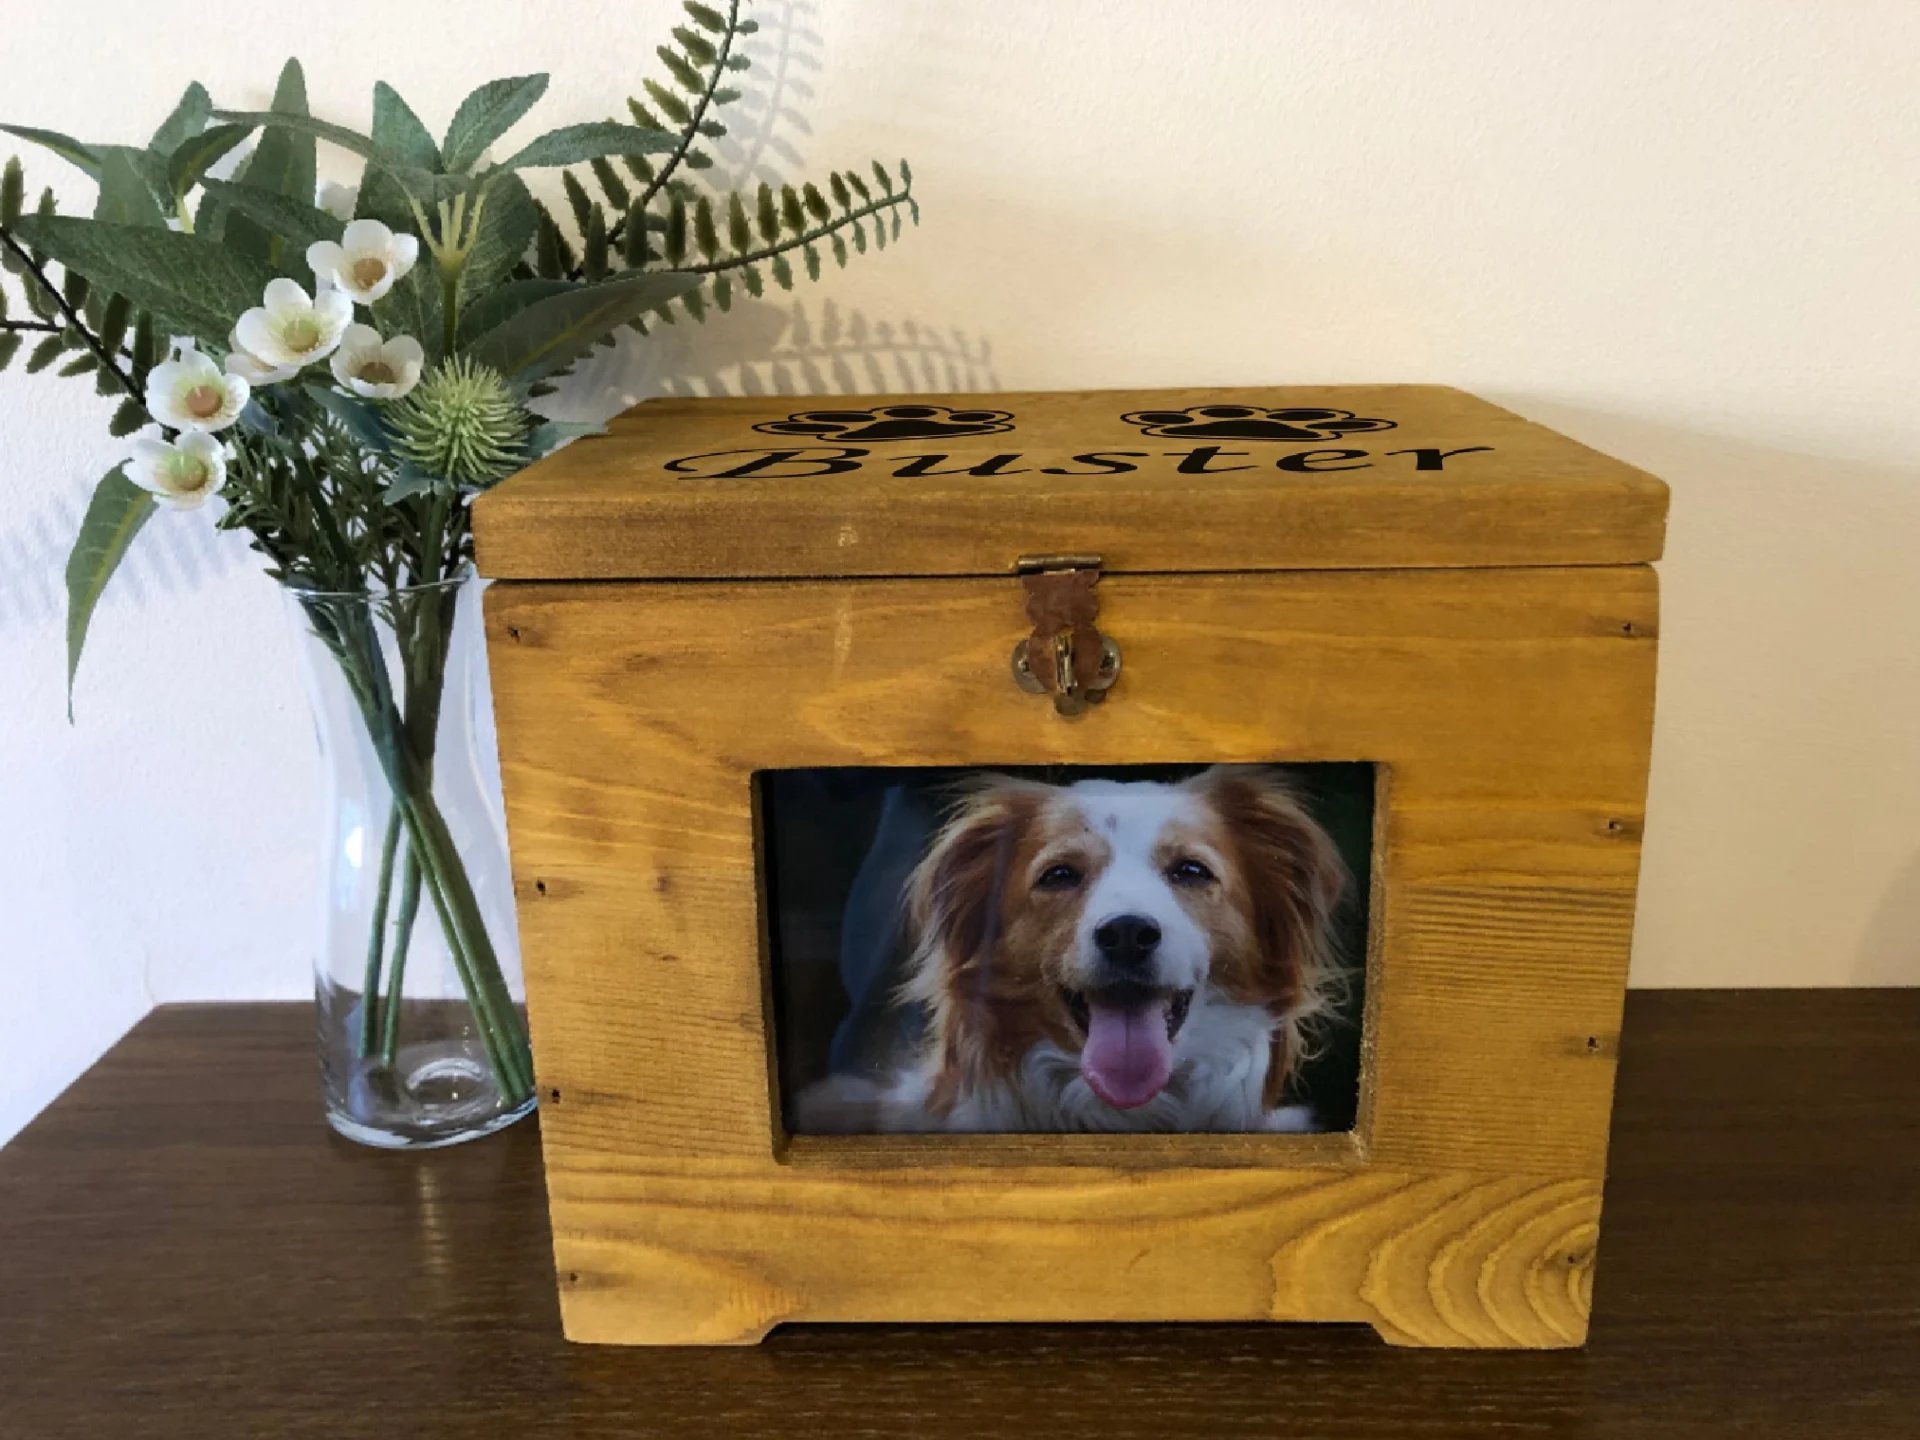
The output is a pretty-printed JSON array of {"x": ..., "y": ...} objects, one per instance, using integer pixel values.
[{"x": 461, "y": 423}]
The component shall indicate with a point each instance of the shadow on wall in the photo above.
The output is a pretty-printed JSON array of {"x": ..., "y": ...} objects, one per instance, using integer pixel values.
[
  {"x": 764, "y": 347},
  {"x": 1783, "y": 827}
]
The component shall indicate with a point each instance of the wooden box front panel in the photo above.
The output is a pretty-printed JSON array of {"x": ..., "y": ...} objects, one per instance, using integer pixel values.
[{"x": 1510, "y": 712}]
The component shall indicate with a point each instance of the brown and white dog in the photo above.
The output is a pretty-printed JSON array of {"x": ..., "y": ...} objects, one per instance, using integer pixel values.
[{"x": 1118, "y": 956}]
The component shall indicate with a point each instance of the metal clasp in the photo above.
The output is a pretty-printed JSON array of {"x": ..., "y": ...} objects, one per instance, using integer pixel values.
[{"x": 1065, "y": 656}]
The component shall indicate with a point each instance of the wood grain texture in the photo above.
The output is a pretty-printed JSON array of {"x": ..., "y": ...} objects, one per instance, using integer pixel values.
[
  {"x": 187, "y": 1251},
  {"x": 1511, "y": 712},
  {"x": 611, "y": 508}
]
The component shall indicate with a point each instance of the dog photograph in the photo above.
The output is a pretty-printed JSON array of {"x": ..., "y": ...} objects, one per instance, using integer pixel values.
[{"x": 1027, "y": 950}]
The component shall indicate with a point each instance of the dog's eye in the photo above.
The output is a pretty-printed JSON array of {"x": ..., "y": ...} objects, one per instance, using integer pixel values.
[
  {"x": 1189, "y": 872},
  {"x": 1057, "y": 877}
]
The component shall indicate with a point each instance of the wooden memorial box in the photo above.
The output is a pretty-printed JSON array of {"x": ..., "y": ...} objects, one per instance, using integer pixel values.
[{"x": 1092, "y": 856}]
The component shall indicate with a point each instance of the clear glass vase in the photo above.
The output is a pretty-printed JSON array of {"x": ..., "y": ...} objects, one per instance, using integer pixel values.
[{"x": 422, "y": 1025}]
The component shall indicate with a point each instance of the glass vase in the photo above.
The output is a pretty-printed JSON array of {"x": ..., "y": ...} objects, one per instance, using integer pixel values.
[{"x": 422, "y": 1025}]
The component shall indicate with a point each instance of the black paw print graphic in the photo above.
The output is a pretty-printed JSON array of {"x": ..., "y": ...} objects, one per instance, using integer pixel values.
[
  {"x": 1245, "y": 422},
  {"x": 890, "y": 422}
]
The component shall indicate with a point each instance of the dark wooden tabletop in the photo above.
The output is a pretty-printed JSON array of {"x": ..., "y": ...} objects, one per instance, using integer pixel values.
[{"x": 186, "y": 1250}]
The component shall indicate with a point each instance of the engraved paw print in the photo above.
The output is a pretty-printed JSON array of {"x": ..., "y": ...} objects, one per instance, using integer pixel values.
[
  {"x": 1246, "y": 422},
  {"x": 890, "y": 422}
]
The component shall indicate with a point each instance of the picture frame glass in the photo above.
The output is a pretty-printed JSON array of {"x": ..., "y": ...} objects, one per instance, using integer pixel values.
[{"x": 1026, "y": 949}]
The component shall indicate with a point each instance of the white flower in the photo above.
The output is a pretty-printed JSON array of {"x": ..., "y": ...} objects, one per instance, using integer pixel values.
[
  {"x": 290, "y": 329},
  {"x": 188, "y": 392},
  {"x": 338, "y": 200},
  {"x": 366, "y": 262},
  {"x": 376, "y": 370},
  {"x": 182, "y": 474},
  {"x": 251, "y": 368}
]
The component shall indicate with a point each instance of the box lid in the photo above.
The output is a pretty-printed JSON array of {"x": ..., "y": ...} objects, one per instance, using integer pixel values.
[{"x": 1279, "y": 478}]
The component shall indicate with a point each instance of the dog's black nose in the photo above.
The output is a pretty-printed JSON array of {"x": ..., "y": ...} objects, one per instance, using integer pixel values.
[{"x": 1127, "y": 941}]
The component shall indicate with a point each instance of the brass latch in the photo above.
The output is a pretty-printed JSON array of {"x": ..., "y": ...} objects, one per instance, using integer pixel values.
[{"x": 1065, "y": 657}]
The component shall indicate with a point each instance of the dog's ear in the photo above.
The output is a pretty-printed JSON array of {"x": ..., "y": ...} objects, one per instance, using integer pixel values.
[
  {"x": 1296, "y": 880},
  {"x": 953, "y": 916}
]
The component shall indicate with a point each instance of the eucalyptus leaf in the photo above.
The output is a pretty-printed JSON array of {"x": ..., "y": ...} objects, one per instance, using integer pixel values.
[
  {"x": 114, "y": 516},
  {"x": 188, "y": 119},
  {"x": 200, "y": 153},
  {"x": 293, "y": 220},
  {"x": 577, "y": 144},
  {"x": 192, "y": 287},
  {"x": 65, "y": 146},
  {"x": 487, "y": 114},
  {"x": 550, "y": 333}
]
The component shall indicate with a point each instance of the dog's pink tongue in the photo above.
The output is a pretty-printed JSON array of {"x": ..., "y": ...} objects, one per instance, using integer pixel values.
[{"x": 1128, "y": 1057}]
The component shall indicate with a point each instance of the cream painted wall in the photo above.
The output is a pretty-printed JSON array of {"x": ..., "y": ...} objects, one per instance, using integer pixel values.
[{"x": 1686, "y": 234}]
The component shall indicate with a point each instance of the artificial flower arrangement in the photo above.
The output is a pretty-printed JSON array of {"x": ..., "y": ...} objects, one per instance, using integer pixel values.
[{"x": 346, "y": 370}]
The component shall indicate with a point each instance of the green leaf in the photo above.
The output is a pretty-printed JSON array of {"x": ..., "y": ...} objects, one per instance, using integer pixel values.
[
  {"x": 750, "y": 277},
  {"x": 507, "y": 228},
  {"x": 549, "y": 333},
  {"x": 611, "y": 185},
  {"x": 362, "y": 420},
  {"x": 295, "y": 221},
  {"x": 550, "y": 435},
  {"x": 706, "y": 17},
  {"x": 44, "y": 354},
  {"x": 486, "y": 115},
  {"x": 637, "y": 250},
  {"x": 578, "y": 199},
  {"x": 671, "y": 105},
  {"x": 192, "y": 287},
  {"x": 593, "y": 245},
  {"x": 696, "y": 307},
  {"x": 10, "y": 342},
  {"x": 126, "y": 194},
  {"x": 577, "y": 144},
  {"x": 412, "y": 307},
  {"x": 767, "y": 214},
  {"x": 684, "y": 75},
  {"x": 838, "y": 186},
  {"x": 201, "y": 153},
  {"x": 409, "y": 481},
  {"x": 188, "y": 119},
  {"x": 739, "y": 233},
  {"x": 82, "y": 364},
  {"x": 13, "y": 191},
  {"x": 839, "y": 243},
  {"x": 65, "y": 146},
  {"x": 859, "y": 187},
  {"x": 501, "y": 303},
  {"x": 813, "y": 262},
  {"x": 131, "y": 416},
  {"x": 114, "y": 516},
  {"x": 674, "y": 241},
  {"x": 782, "y": 272},
  {"x": 880, "y": 174},
  {"x": 699, "y": 49},
  {"x": 816, "y": 203},
  {"x": 398, "y": 134},
  {"x": 115, "y": 320},
  {"x": 723, "y": 293},
  {"x": 704, "y": 235},
  {"x": 791, "y": 212},
  {"x": 283, "y": 161}
]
